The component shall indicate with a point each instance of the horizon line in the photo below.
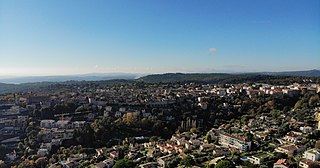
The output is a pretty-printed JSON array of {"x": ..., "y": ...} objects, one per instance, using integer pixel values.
[{"x": 150, "y": 73}]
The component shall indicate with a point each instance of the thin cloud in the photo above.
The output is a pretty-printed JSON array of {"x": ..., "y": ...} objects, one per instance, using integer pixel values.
[{"x": 212, "y": 50}]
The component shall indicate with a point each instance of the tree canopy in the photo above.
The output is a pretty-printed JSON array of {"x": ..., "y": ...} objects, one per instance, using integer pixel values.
[
  {"x": 224, "y": 164},
  {"x": 124, "y": 163}
]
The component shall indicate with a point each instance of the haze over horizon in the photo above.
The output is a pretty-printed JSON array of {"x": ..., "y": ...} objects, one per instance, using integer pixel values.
[{"x": 78, "y": 37}]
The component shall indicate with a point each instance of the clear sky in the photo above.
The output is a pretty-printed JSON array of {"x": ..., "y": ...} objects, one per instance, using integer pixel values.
[{"x": 53, "y": 37}]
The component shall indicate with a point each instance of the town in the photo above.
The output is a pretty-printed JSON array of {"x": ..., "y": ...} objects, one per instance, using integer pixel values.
[{"x": 150, "y": 125}]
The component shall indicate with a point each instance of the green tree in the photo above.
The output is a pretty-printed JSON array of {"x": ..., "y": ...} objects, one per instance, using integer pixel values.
[
  {"x": 208, "y": 165},
  {"x": 278, "y": 155},
  {"x": 314, "y": 165},
  {"x": 244, "y": 119},
  {"x": 314, "y": 100},
  {"x": 187, "y": 161},
  {"x": 284, "y": 128},
  {"x": 224, "y": 164},
  {"x": 41, "y": 162},
  {"x": 298, "y": 104},
  {"x": 249, "y": 136},
  {"x": 248, "y": 164},
  {"x": 2, "y": 164},
  {"x": 21, "y": 146},
  {"x": 153, "y": 139},
  {"x": 209, "y": 138},
  {"x": 88, "y": 151},
  {"x": 124, "y": 163}
]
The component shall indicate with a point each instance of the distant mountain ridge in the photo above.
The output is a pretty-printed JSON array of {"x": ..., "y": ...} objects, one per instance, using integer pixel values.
[
  {"x": 203, "y": 78},
  {"x": 309, "y": 73},
  {"x": 131, "y": 76},
  {"x": 226, "y": 77},
  {"x": 63, "y": 78},
  {"x": 53, "y": 83}
]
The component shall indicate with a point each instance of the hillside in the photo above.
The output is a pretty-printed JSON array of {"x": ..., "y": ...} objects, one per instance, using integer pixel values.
[
  {"x": 309, "y": 73},
  {"x": 157, "y": 78},
  {"x": 6, "y": 87},
  {"x": 221, "y": 78},
  {"x": 57, "y": 86}
]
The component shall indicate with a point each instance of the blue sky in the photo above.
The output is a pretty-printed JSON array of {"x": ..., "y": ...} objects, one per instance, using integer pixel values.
[{"x": 151, "y": 36}]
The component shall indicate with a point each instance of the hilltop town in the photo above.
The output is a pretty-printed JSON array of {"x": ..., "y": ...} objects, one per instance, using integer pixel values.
[
  {"x": 160, "y": 84},
  {"x": 175, "y": 124}
]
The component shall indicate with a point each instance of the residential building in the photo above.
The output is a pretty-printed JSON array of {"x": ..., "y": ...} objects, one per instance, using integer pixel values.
[
  {"x": 259, "y": 158},
  {"x": 305, "y": 163},
  {"x": 290, "y": 149},
  {"x": 228, "y": 140},
  {"x": 312, "y": 154},
  {"x": 281, "y": 163}
]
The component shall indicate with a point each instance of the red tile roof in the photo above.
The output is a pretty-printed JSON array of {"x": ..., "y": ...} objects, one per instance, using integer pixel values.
[{"x": 281, "y": 161}]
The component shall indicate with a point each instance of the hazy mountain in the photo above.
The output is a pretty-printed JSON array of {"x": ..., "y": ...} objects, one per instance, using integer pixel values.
[
  {"x": 130, "y": 76},
  {"x": 203, "y": 77},
  {"x": 230, "y": 78},
  {"x": 53, "y": 83},
  {"x": 6, "y": 87},
  {"x": 309, "y": 73},
  {"x": 62, "y": 78}
]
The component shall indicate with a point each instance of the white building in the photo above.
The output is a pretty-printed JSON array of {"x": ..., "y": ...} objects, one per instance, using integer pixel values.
[
  {"x": 47, "y": 123},
  {"x": 108, "y": 163},
  {"x": 305, "y": 163},
  {"x": 259, "y": 159},
  {"x": 312, "y": 154},
  {"x": 42, "y": 152},
  {"x": 228, "y": 140},
  {"x": 11, "y": 156},
  {"x": 109, "y": 108},
  {"x": 306, "y": 129}
]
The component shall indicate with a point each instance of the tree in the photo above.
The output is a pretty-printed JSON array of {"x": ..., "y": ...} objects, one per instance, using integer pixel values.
[
  {"x": 2, "y": 164},
  {"x": 21, "y": 146},
  {"x": 194, "y": 130},
  {"x": 88, "y": 151},
  {"x": 187, "y": 161},
  {"x": 224, "y": 164},
  {"x": 153, "y": 139},
  {"x": 124, "y": 163},
  {"x": 41, "y": 162},
  {"x": 298, "y": 104},
  {"x": 209, "y": 138},
  {"x": 249, "y": 136},
  {"x": 3, "y": 151},
  {"x": 208, "y": 165},
  {"x": 317, "y": 145},
  {"x": 244, "y": 119},
  {"x": 278, "y": 155},
  {"x": 284, "y": 128},
  {"x": 314, "y": 165},
  {"x": 314, "y": 100},
  {"x": 172, "y": 163}
]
